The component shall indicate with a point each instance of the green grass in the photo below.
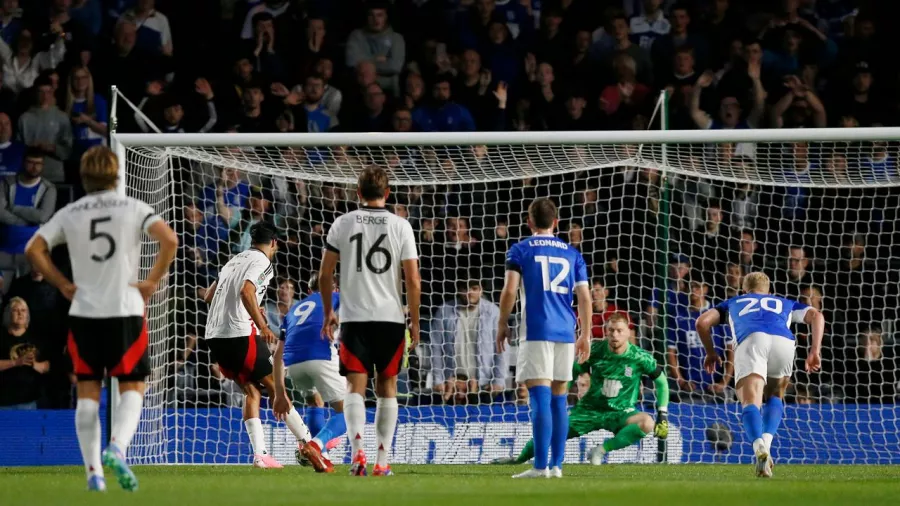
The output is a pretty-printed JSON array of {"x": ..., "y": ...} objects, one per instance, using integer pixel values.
[{"x": 434, "y": 485}]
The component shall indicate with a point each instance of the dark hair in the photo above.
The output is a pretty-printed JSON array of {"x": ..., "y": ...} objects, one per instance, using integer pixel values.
[
  {"x": 262, "y": 16},
  {"x": 314, "y": 76},
  {"x": 33, "y": 152},
  {"x": 598, "y": 281},
  {"x": 262, "y": 233},
  {"x": 542, "y": 213},
  {"x": 372, "y": 183},
  {"x": 313, "y": 283}
]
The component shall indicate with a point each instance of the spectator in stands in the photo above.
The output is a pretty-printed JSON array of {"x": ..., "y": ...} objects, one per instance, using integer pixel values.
[
  {"x": 266, "y": 60},
  {"x": 205, "y": 234},
  {"x": 714, "y": 242},
  {"x": 318, "y": 118},
  {"x": 870, "y": 374},
  {"x": 622, "y": 45},
  {"x": 225, "y": 198},
  {"x": 88, "y": 14},
  {"x": 443, "y": 115},
  {"x": 627, "y": 93},
  {"x": 11, "y": 22},
  {"x": 88, "y": 110},
  {"x": 471, "y": 88},
  {"x": 734, "y": 275},
  {"x": 379, "y": 44},
  {"x": 23, "y": 62},
  {"x": 685, "y": 351},
  {"x": 666, "y": 46},
  {"x": 12, "y": 152},
  {"x": 167, "y": 112},
  {"x": 676, "y": 294},
  {"x": 258, "y": 208},
  {"x": 795, "y": 276},
  {"x": 553, "y": 43},
  {"x": 127, "y": 66},
  {"x": 278, "y": 308},
  {"x": 402, "y": 120},
  {"x": 861, "y": 105},
  {"x": 745, "y": 199},
  {"x": 253, "y": 117},
  {"x": 153, "y": 35},
  {"x": 375, "y": 116},
  {"x": 749, "y": 258},
  {"x": 332, "y": 97},
  {"x": 603, "y": 308},
  {"x": 463, "y": 352},
  {"x": 650, "y": 25},
  {"x": 27, "y": 201},
  {"x": 21, "y": 379},
  {"x": 501, "y": 54},
  {"x": 799, "y": 107},
  {"x": 276, "y": 8}
]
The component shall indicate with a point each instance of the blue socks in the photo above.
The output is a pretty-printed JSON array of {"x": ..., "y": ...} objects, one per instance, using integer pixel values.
[
  {"x": 560, "y": 416},
  {"x": 772, "y": 412},
  {"x": 335, "y": 427},
  {"x": 541, "y": 424},
  {"x": 315, "y": 419},
  {"x": 753, "y": 422}
]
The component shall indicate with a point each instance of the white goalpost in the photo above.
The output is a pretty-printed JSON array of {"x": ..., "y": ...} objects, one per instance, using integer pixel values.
[{"x": 668, "y": 221}]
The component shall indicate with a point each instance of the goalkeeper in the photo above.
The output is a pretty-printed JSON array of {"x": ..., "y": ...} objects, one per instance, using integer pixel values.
[{"x": 616, "y": 368}]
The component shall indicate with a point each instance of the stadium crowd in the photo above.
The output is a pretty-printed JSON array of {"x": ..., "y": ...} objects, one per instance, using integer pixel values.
[{"x": 474, "y": 65}]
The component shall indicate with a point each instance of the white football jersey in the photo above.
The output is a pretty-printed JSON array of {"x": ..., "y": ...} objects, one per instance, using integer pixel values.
[
  {"x": 372, "y": 242},
  {"x": 227, "y": 315},
  {"x": 103, "y": 231}
]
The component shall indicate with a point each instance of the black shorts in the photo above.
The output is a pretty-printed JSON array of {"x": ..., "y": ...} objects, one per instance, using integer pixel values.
[
  {"x": 242, "y": 359},
  {"x": 367, "y": 347},
  {"x": 114, "y": 347}
]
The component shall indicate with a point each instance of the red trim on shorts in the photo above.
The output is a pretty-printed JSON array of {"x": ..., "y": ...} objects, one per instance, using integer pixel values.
[
  {"x": 250, "y": 358},
  {"x": 393, "y": 367},
  {"x": 79, "y": 366},
  {"x": 134, "y": 354},
  {"x": 350, "y": 362}
]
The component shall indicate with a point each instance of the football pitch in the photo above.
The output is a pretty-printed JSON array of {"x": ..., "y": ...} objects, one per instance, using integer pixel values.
[{"x": 476, "y": 485}]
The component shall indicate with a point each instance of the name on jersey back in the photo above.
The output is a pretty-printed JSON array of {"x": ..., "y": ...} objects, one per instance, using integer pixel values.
[
  {"x": 371, "y": 220},
  {"x": 545, "y": 242},
  {"x": 87, "y": 205}
]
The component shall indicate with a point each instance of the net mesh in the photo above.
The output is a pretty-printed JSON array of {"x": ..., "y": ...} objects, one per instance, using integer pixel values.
[{"x": 665, "y": 230}]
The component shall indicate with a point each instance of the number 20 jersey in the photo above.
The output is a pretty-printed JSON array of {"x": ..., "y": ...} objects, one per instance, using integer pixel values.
[
  {"x": 550, "y": 270},
  {"x": 753, "y": 312},
  {"x": 372, "y": 242},
  {"x": 103, "y": 231}
]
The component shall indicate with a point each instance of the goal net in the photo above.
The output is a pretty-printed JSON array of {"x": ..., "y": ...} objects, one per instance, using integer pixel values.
[{"x": 668, "y": 223}]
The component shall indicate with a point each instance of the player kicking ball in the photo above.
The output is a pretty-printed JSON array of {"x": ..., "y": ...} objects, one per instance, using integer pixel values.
[
  {"x": 312, "y": 364},
  {"x": 764, "y": 357},
  {"x": 373, "y": 246},
  {"x": 107, "y": 331},
  {"x": 237, "y": 333},
  {"x": 550, "y": 273},
  {"x": 616, "y": 368}
]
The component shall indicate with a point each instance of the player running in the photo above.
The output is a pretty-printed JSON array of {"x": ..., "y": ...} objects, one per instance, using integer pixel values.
[
  {"x": 312, "y": 364},
  {"x": 764, "y": 358},
  {"x": 548, "y": 272},
  {"x": 237, "y": 333},
  {"x": 372, "y": 245},
  {"x": 616, "y": 367},
  {"x": 108, "y": 332}
]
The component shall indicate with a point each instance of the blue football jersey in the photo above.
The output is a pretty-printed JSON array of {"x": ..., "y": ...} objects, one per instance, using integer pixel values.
[
  {"x": 550, "y": 269},
  {"x": 770, "y": 314},
  {"x": 301, "y": 331}
]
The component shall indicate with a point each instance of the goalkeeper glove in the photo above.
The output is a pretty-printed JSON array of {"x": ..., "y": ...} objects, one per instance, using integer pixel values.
[{"x": 661, "y": 430}]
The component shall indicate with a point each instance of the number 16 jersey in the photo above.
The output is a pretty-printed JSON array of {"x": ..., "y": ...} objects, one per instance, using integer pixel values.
[
  {"x": 103, "y": 231},
  {"x": 372, "y": 242}
]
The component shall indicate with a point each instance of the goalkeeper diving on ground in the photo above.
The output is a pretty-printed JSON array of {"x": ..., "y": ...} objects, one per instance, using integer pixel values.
[{"x": 616, "y": 368}]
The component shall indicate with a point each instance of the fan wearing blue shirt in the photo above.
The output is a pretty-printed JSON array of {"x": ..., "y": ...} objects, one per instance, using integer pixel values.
[
  {"x": 312, "y": 363},
  {"x": 444, "y": 115},
  {"x": 764, "y": 358},
  {"x": 548, "y": 272}
]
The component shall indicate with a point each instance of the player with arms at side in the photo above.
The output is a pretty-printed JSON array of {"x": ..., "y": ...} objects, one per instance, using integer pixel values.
[
  {"x": 108, "y": 333},
  {"x": 764, "y": 357},
  {"x": 373, "y": 245},
  {"x": 237, "y": 333},
  {"x": 312, "y": 363},
  {"x": 616, "y": 368},
  {"x": 549, "y": 273}
]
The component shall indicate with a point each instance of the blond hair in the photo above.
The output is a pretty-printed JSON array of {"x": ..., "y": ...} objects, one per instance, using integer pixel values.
[
  {"x": 99, "y": 169},
  {"x": 756, "y": 282},
  {"x": 89, "y": 107},
  {"x": 7, "y": 314}
]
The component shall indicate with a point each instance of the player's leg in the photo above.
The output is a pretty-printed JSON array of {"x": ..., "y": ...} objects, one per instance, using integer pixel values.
[
  {"x": 315, "y": 412},
  {"x": 87, "y": 428},
  {"x": 356, "y": 367},
  {"x": 293, "y": 420},
  {"x": 580, "y": 423},
  {"x": 388, "y": 360},
  {"x": 751, "y": 369},
  {"x": 332, "y": 388},
  {"x": 628, "y": 429},
  {"x": 563, "y": 358},
  {"x": 773, "y": 408},
  {"x": 535, "y": 369}
]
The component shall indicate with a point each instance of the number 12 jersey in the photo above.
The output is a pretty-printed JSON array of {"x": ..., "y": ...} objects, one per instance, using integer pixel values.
[{"x": 372, "y": 242}]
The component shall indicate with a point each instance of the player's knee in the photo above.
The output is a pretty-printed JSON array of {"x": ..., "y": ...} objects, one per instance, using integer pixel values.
[
  {"x": 646, "y": 424},
  {"x": 251, "y": 393},
  {"x": 337, "y": 406}
]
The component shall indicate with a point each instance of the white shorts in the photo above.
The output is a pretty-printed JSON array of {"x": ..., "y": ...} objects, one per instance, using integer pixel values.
[
  {"x": 765, "y": 355},
  {"x": 319, "y": 376},
  {"x": 545, "y": 360}
]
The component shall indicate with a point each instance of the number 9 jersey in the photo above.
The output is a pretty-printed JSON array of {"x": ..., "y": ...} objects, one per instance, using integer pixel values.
[{"x": 550, "y": 270}]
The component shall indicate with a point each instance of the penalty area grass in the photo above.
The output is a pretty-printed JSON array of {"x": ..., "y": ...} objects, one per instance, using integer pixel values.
[{"x": 462, "y": 485}]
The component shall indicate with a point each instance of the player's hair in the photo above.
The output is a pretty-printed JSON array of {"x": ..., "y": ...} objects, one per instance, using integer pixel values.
[
  {"x": 542, "y": 213},
  {"x": 756, "y": 282},
  {"x": 313, "y": 283},
  {"x": 617, "y": 317},
  {"x": 372, "y": 183},
  {"x": 262, "y": 233},
  {"x": 99, "y": 169}
]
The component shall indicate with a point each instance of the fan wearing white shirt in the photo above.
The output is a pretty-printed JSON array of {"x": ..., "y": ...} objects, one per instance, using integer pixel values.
[{"x": 108, "y": 334}]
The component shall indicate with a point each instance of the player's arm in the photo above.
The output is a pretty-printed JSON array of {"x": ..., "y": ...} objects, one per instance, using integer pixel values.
[
  {"x": 507, "y": 301},
  {"x": 282, "y": 404},
  {"x": 248, "y": 299},
  {"x": 38, "y": 252},
  {"x": 705, "y": 323},
  {"x": 816, "y": 320},
  {"x": 661, "y": 385},
  {"x": 413, "y": 297},
  {"x": 207, "y": 293},
  {"x": 585, "y": 312},
  {"x": 162, "y": 233}
]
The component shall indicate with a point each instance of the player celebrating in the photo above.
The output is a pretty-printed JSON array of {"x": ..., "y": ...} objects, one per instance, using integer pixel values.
[
  {"x": 108, "y": 333},
  {"x": 764, "y": 358},
  {"x": 372, "y": 245},
  {"x": 615, "y": 367},
  {"x": 237, "y": 333},
  {"x": 312, "y": 363},
  {"x": 549, "y": 272}
]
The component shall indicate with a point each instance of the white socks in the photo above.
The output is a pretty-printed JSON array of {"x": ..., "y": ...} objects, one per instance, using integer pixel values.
[
  {"x": 87, "y": 427},
  {"x": 759, "y": 446},
  {"x": 767, "y": 438},
  {"x": 355, "y": 416},
  {"x": 128, "y": 415},
  {"x": 385, "y": 424},
  {"x": 257, "y": 439},
  {"x": 299, "y": 429}
]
